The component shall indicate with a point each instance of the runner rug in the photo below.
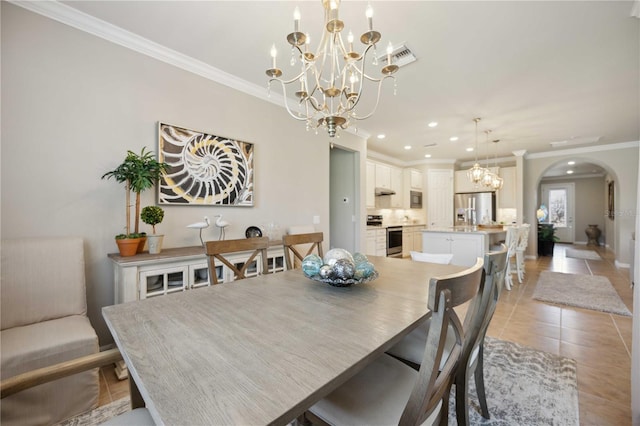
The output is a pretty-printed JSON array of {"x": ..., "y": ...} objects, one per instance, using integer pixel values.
[
  {"x": 523, "y": 386},
  {"x": 582, "y": 254},
  {"x": 593, "y": 292}
]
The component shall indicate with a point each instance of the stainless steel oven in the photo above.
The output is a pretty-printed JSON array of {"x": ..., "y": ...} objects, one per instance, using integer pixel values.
[{"x": 394, "y": 241}]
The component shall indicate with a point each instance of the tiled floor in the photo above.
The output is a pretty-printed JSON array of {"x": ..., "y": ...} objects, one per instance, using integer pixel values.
[{"x": 599, "y": 342}]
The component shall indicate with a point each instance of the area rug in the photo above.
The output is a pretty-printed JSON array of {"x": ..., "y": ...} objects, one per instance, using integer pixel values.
[
  {"x": 100, "y": 414},
  {"x": 582, "y": 254},
  {"x": 581, "y": 291},
  {"x": 524, "y": 386}
]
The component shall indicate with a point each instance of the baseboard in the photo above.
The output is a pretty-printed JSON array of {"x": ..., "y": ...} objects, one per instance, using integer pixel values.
[
  {"x": 531, "y": 256},
  {"x": 580, "y": 243},
  {"x": 622, "y": 265}
]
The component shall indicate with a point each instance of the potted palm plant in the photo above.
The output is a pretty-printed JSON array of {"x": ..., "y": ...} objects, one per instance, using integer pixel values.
[
  {"x": 153, "y": 215},
  {"x": 138, "y": 172}
]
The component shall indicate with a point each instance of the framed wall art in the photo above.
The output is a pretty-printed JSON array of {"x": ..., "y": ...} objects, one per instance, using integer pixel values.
[
  {"x": 204, "y": 169},
  {"x": 611, "y": 205}
]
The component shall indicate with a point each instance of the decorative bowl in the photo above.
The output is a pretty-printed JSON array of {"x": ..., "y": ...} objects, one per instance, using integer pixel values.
[{"x": 338, "y": 282}]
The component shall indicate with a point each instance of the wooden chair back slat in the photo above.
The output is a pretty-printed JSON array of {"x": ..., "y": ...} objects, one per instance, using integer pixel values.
[
  {"x": 218, "y": 249},
  {"x": 313, "y": 239}
]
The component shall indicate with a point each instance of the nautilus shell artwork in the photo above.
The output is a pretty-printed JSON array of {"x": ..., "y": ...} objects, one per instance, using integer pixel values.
[{"x": 204, "y": 169}]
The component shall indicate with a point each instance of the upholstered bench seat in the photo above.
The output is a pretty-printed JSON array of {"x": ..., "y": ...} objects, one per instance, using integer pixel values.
[{"x": 44, "y": 322}]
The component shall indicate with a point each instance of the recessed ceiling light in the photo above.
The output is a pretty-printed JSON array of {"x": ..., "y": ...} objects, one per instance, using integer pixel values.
[
  {"x": 569, "y": 172},
  {"x": 433, "y": 124},
  {"x": 571, "y": 163},
  {"x": 382, "y": 136},
  {"x": 469, "y": 149},
  {"x": 427, "y": 156},
  {"x": 453, "y": 138},
  {"x": 407, "y": 147}
]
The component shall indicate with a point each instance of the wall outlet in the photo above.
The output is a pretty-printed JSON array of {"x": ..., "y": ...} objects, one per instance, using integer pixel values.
[{"x": 316, "y": 220}]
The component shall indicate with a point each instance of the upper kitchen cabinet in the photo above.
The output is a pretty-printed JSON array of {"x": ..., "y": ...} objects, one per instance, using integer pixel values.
[
  {"x": 415, "y": 179},
  {"x": 371, "y": 185},
  {"x": 383, "y": 176},
  {"x": 396, "y": 185},
  {"x": 507, "y": 194},
  {"x": 463, "y": 184}
]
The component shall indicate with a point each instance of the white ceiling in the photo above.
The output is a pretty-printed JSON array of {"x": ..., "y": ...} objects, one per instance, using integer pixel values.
[{"x": 535, "y": 71}]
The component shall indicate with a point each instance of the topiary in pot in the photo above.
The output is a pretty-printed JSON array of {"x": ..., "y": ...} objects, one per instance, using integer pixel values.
[
  {"x": 153, "y": 215},
  {"x": 138, "y": 172}
]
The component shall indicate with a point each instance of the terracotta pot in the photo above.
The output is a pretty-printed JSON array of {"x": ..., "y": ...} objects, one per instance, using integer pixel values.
[
  {"x": 128, "y": 246},
  {"x": 143, "y": 241}
]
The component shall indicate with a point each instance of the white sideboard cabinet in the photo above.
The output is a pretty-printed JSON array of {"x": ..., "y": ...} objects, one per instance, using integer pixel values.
[{"x": 178, "y": 269}]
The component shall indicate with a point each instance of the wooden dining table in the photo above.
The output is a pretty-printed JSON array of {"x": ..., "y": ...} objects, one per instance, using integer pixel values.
[{"x": 264, "y": 349}]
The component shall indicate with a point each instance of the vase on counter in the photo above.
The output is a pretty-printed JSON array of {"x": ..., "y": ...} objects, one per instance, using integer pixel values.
[{"x": 593, "y": 233}]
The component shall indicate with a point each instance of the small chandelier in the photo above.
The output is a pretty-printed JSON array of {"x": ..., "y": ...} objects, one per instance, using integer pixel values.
[
  {"x": 497, "y": 181},
  {"x": 488, "y": 175},
  {"x": 476, "y": 172},
  {"x": 330, "y": 82}
]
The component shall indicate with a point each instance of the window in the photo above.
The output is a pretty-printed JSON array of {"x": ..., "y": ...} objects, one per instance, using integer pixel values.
[{"x": 558, "y": 207}]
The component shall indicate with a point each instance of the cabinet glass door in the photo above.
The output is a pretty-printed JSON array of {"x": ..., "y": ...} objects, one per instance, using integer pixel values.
[
  {"x": 156, "y": 282},
  {"x": 199, "y": 275}
]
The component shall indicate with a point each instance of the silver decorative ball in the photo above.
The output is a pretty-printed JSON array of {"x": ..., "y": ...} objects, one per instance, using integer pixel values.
[
  {"x": 326, "y": 272},
  {"x": 336, "y": 254},
  {"x": 344, "y": 269}
]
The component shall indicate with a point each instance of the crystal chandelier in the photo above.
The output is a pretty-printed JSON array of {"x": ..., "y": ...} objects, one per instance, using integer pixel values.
[
  {"x": 496, "y": 181},
  {"x": 476, "y": 172},
  {"x": 487, "y": 177},
  {"x": 331, "y": 80}
]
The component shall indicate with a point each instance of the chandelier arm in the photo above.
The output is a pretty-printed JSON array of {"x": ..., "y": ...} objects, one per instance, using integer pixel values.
[
  {"x": 375, "y": 107},
  {"x": 286, "y": 101}
]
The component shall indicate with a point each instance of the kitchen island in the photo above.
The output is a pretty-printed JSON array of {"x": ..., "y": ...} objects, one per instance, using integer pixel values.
[{"x": 466, "y": 243}]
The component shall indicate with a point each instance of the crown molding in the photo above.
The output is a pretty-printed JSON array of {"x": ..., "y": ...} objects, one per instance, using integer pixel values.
[
  {"x": 72, "y": 17},
  {"x": 575, "y": 151},
  {"x": 495, "y": 161}
]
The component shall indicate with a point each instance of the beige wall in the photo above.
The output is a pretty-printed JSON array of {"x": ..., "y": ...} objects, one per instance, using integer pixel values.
[
  {"x": 621, "y": 164},
  {"x": 72, "y": 104},
  {"x": 590, "y": 207}
]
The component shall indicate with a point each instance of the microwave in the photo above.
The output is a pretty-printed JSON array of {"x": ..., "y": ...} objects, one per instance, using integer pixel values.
[{"x": 415, "y": 198}]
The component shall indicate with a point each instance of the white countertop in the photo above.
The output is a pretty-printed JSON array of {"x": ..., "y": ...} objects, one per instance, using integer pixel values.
[
  {"x": 387, "y": 225},
  {"x": 467, "y": 229}
]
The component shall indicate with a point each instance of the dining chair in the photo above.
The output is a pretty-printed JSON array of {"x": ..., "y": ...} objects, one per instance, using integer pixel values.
[
  {"x": 296, "y": 244},
  {"x": 136, "y": 417},
  {"x": 387, "y": 391},
  {"x": 495, "y": 264},
  {"x": 511, "y": 242},
  {"x": 216, "y": 250},
  {"x": 521, "y": 247},
  {"x": 444, "y": 258}
]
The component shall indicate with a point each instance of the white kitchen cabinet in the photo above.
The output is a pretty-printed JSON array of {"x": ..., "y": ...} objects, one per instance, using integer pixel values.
[
  {"x": 371, "y": 185},
  {"x": 396, "y": 185},
  {"x": 466, "y": 247},
  {"x": 178, "y": 269},
  {"x": 411, "y": 239},
  {"x": 439, "y": 197},
  {"x": 376, "y": 242},
  {"x": 383, "y": 176},
  {"x": 507, "y": 194},
  {"x": 415, "y": 179},
  {"x": 463, "y": 184}
]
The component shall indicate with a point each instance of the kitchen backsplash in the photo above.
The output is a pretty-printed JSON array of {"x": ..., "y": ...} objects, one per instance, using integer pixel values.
[{"x": 400, "y": 216}]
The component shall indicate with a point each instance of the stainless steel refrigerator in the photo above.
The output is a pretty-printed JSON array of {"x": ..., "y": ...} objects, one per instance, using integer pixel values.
[{"x": 474, "y": 208}]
